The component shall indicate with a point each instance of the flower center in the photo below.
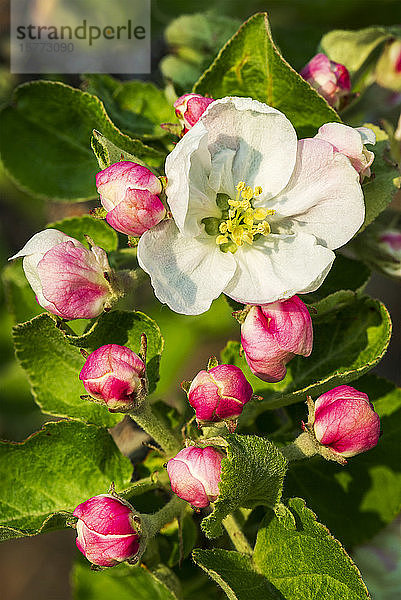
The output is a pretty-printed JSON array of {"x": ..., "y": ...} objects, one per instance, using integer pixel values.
[{"x": 241, "y": 223}]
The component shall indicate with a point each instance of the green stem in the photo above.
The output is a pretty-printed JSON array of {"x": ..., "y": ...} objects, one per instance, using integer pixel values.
[
  {"x": 170, "y": 511},
  {"x": 167, "y": 439},
  {"x": 303, "y": 447},
  {"x": 237, "y": 536}
]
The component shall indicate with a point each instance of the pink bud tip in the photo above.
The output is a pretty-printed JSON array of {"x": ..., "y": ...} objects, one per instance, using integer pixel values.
[
  {"x": 195, "y": 475},
  {"x": 219, "y": 394},
  {"x": 115, "y": 375},
  {"x": 106, "y": 530},
  {"x": 272, "y": 334},
  {"x": 345, "y": 421},
  {"x": 189, "y": 108},
  {"x": 329, "y": 78},
  {"x": 130, "y": 194}
]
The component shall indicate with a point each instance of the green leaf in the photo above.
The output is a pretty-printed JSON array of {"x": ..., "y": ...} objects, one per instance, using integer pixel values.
[
  {"x": 349, "y": 340},
  {"x": 251, "y": 65},
  {"x": 108, "y": 153},
  {"x": 380, "y": 189},
  {"x": 236, "y": 575},
  {"x": 97, "y": 229},
  {"x": 20, "y": 297},
  {"x": 346, "y": 278},
  {"x": 53, "y": 471},
  {"x": 45, "y": 142},
  {"x": 358, "y": 500},
  {"x": 302, "y": 559},
  {"x": 136, "y": 107},
  {"x": 52, "y": 360},
  {"x": 354, "y": 48},
  {"x": 122, "y": 583},
  {"x": 252, "y": 475}
]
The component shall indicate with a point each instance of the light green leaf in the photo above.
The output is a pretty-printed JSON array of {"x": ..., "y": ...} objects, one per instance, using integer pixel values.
[
  {"x": 251, "y": 65},
  {"x": 354, "y": 48},
  {"x": 236, "y": 575},
  {"x": 53, "y": 471},
  {"x": 45, "y": 142},
  {"x": 349, "y": 340},
  {"x": 380, "y": 189},
  {"x": 358, "y": 500},
  {"x": 97, "y": 229},
  {"x": 52, "y": 360},
  {"x": 136, "y": 107},
  {"x": 123, "y": 582},
  {"x": 302, "y": 559},
  {"x": 108, "y": 153},
  {"x": 252, "y": 475}
]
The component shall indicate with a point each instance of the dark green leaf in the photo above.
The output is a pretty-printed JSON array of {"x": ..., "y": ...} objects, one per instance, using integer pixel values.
[
  {"x": 53, "y": 471},
  {"x": 302, "y": 559},
  {"x": 358, "y": 500},
  {"x": 251, "y": 65},
  {"x": 97, "y": 229},
  {"x": 252, "y": 475},
  {"x": 45, "y": 142}
]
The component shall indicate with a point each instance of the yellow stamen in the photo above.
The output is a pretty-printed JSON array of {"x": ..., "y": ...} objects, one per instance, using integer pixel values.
[
  {"x": 240, "y": 186},
  {"x": 221, "y": 239},
  {"x": 223, "y": 227}
]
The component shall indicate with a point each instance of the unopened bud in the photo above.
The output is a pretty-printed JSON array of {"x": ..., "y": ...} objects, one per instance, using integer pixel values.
[
  {"x": 189, "y": 108},
  {"x": 130, "y": 194},
  {"x": 116, "y": 376},
  {"x": 329, "y": 78},
  {"x": 69, "y": 280},
  {"x": 272, "y": 334},
  {"x": 219, "y": 394},
  {"x": 195, "y": 475},
  {"x": 107, "y": 530}
]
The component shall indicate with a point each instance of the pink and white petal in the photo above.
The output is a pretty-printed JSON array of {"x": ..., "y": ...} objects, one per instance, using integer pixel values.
[
  {"x": 43, "y": 241},
  {"x": 139, "y": 211},
  {"x": 323, "y": 198},
  {"x": 113, "y": 182},
  {"x": 189, "y": 195},
  {"x": 345, "y": 139},
  {"x": 187, "y": 273},
  {"x": 262, "y": 137},
  {"x": 277, "y": 267}
]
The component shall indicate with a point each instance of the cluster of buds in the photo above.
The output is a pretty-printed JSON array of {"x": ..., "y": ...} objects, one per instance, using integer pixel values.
[
  {"x": 329, "y": 78},
  {"x": 130, "y": 193},
  {"x": 108, "y": 531},
  {"x": 116, "y": 377},
  {"x": 341, "y": 424},
  {"x": 69, "y": 280},
  {"x": 272, "y": 334}
]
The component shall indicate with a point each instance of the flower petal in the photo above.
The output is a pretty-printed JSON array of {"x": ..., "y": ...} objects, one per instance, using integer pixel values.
[
  {"x": 187, "y": 273},
  {"x": 262, "y": 137},
  {"x": 277, "y": 267},
  {"x": 324, "y": 196},
  {"x": 43, "y": 241}
]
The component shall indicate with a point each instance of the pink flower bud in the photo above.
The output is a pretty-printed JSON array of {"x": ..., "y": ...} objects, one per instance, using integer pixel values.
[
  {"x": 189, "y": 108},
  {"x": 68, "y": 279},
  {"x": 107, "y": 534},
  {"x": 115, "y": 375},
  {"x": 391, "y": 240},
  {"x": 129, "y": 192},
  {"x": 195, "y": 475},
  {"x": 219, "y": 394},
  {"x": 350, "y": 142},
  {"x": 329, "y": 78},
  {"x": 345, "y": 422},
  {"x": 272, "y": 334}
]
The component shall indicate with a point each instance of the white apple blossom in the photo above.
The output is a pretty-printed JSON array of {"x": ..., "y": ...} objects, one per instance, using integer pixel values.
[{"x": 256, "y": 213}]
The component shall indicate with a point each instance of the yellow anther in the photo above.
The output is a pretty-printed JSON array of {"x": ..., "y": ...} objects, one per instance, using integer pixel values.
[
  {"x": 248, "y": 237},
  {"x": 263, "y": 228},
  {"x": 247, "y": 193},
  {"x": 258, "y": 190},
  {"x": 248, "y": 221},
  {"x": 221, "y": 239},
  {"x": 223, "y": 227},
  {"x": 260, "y": 214},
  {"x": 229, "y": 225},
  {"x": 231, "y": 213},
  {"x": 245, "y": 205},
  {"x": 240, "y": 186},
  {"x": 234, "y": 203}
]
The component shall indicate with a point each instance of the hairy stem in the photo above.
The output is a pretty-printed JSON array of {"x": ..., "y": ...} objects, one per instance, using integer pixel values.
[
  {"x": 236, "y": 535},
  {"x": 303, "y": 447},
  {"x": 170, "y": 441},
  {"x": 170, "y": 511}
]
